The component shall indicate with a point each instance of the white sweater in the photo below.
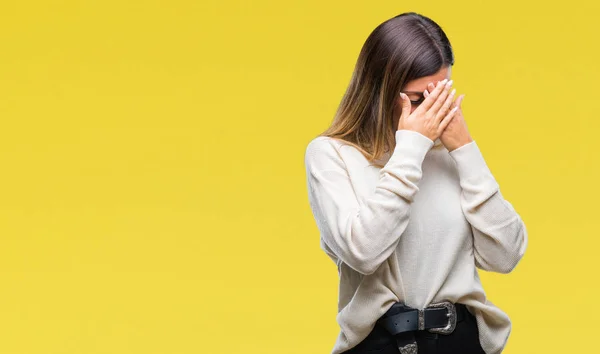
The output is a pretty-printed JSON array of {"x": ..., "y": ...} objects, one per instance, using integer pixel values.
[{"x": 414, "y": 231}]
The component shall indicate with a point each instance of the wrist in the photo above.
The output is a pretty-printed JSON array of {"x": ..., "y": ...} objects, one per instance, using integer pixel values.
[{"x": 461, "y": 144}]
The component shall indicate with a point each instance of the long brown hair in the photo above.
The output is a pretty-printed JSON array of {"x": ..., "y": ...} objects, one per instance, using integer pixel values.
[{"x": 403, "y": 48}]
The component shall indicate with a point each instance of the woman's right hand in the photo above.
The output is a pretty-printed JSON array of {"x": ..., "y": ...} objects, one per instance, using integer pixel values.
[{"x": 433, "y": 114}]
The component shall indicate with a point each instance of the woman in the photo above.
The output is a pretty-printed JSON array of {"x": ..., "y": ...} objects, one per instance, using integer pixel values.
[{"x": 407, "y": 207}]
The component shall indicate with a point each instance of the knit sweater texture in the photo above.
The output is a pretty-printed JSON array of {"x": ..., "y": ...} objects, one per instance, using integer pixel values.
[{"x": 414, "y": 231}]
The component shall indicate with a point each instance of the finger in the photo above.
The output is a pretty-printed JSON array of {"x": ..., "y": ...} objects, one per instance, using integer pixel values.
[
  {"x": 448, "y": 118},
  {"x": 459, "y": 100},
  {"x": 428, "y": 102},
  {"x": 437, "y": 105},
  {"x": 445, "y": 107},
  {"x": 430, "y": 86},
  {"x": 405, "y": 106}
]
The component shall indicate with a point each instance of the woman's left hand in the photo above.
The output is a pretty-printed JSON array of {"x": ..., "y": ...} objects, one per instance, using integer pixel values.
[{"x": 456, "y": 133}]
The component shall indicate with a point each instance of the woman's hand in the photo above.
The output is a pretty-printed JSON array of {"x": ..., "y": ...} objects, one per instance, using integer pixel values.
[
  {"x": 456, "y": 133},
  {"x": 433, "y": 114}
]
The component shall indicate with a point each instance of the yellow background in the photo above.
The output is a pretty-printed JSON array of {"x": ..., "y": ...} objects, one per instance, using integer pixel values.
[{"x": 153, "y": 197}]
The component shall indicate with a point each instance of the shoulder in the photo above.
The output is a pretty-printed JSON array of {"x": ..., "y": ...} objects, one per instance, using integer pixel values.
[
  {"x": 322, "y": 144},
  {"x": 324, "y": 152}
]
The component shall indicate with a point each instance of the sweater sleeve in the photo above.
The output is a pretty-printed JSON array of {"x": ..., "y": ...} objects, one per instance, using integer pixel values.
[
  {"x": 364, "y": 231},
  {"x": 499, "y": 234}
]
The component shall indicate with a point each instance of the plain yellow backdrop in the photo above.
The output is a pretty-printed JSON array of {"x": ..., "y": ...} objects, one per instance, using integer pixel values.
[{"x": 153, "y": 196}]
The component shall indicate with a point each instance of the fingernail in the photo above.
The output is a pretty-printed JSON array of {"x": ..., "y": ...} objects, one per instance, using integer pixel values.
[
  {"x": 453, "y": 92},
  {"x": 402, "y": 95},
  {"x": 449, "y": 83},
  {"x": 444, "y": 81}
]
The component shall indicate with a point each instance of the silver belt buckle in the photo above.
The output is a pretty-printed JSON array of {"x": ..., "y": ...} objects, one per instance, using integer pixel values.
[
  {"x": 408, "y": 349},
  {"x": 449, "y": 328}
]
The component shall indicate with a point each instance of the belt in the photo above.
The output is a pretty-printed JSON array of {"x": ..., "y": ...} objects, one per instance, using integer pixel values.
[{"x": 401, "y": 320}]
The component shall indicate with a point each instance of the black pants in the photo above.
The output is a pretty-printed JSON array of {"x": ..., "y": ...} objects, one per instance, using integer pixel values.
[{"x": 463, "y": 340}]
